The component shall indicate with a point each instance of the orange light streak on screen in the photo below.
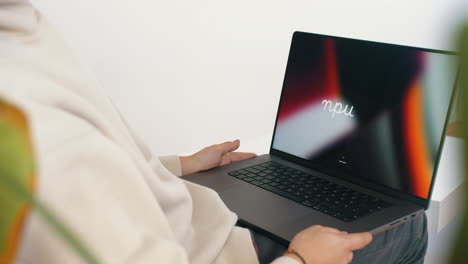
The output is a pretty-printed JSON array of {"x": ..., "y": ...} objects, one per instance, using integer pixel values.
[
  {"x": 331, "y": 66},
  {"x": 417, "y": 151}
]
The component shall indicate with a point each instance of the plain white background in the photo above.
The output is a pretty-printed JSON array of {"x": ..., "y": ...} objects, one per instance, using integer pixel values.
[{"x": 187, "y": 74}]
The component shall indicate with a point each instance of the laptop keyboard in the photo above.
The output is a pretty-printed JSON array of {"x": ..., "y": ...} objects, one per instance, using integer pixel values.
[{"x": 325, "y": 196}]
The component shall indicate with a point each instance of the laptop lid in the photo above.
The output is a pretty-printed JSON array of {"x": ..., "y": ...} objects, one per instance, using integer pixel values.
[{"x": 367, "y": 112}]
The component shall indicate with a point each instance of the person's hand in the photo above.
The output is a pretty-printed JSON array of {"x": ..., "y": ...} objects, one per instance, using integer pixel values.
[
  {"x": 325, "y": 245},
  {"x": 213, "y": 156}
]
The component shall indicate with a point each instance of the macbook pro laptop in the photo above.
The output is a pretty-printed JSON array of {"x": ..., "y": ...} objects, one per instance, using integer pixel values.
[{"x": 356, "y": 144}]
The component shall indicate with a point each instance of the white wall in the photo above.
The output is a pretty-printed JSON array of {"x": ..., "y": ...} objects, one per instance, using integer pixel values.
[{"x": 191, "y": 73}]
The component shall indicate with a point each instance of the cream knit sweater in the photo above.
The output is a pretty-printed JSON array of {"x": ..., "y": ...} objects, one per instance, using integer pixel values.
[{"x": 126, "y": 204}]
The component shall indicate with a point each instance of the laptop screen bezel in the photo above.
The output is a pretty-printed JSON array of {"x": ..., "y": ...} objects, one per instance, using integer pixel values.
[{"x": 423, "y": 202}]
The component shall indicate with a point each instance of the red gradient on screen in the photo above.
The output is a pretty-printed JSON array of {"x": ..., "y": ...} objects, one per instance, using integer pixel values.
[
  {"x": 417, "y": 151},
  {"x": 312, "y": 86}
]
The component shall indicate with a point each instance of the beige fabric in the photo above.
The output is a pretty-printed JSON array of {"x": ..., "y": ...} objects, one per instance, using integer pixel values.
[
  {"x": 172, "y": 164},
  {"x": 126, "y": 204}
]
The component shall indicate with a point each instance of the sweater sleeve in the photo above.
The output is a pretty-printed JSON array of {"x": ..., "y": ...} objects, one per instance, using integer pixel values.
[
  {"x": 172, "y": 163},
  {"x": 18, "y": 20},
  {"x": 285, "y": 260}
]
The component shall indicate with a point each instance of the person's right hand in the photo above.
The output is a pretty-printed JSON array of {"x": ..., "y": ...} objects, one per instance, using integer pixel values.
[{"x": 325, "y": 245}]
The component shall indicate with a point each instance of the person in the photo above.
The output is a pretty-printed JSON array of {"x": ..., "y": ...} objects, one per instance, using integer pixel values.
[{"x": 127, "y": 205}]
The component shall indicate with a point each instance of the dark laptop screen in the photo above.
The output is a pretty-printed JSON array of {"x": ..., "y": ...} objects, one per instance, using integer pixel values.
[{"x": 364, "y": 109}]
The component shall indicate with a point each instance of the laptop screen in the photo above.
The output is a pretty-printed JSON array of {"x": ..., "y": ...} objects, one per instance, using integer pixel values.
[{"x": 368, "y": 110}]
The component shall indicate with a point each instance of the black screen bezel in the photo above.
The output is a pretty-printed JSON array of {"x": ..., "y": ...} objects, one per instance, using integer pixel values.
[{"x": 423, "y": 202}]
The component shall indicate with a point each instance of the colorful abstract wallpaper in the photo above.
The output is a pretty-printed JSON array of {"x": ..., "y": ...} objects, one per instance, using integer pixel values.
[{"x": 367, "y": 110}]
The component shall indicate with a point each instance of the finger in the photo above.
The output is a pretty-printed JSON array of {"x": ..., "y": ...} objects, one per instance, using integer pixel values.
[
  {"x": 225, "y": 159},
  {"x": 330, "y": 229},
  {"x": 229, "y": 146},
  {"x": 237, "y": 156},
  {"x": 350, "y": 257},
  {"x": 358, "y": 240}
]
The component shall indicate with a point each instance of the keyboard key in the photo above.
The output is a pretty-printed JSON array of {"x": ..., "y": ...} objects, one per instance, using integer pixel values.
[
  {"x": 317, "y": 207},
  {"x": 363, "y": 196},
  {"x": 302, "y": 178},
  {"x": 260, "y": 168},
  {"x": 234, "y": 173},
  {"x": 252, "y": 170},
  {"x": 327, "y": 204},
  {"x": 257, "y": 182},
  {"x": 338, "y": 203},
  {"x": 282, "y": 193}
]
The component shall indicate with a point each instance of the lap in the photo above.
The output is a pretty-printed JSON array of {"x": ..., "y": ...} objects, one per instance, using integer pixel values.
[{"x": 405, "y": 243}]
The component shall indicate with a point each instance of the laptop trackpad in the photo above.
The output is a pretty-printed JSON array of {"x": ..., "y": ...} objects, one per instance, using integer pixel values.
[{"x": 262, "y": 208}]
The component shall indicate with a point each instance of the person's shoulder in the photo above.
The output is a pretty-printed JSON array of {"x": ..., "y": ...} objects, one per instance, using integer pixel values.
[
  {"x": 48, "y": 109},
  {"x": 19, "y": 20}
]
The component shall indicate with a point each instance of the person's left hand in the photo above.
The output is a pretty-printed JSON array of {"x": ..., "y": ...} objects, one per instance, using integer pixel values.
[{"x": 213, "y": 156}]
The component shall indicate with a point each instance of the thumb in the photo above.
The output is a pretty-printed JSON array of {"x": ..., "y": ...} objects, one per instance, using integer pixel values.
[
  {"x": 358, "y": 240},
  {"x": 229, "y": 146}
]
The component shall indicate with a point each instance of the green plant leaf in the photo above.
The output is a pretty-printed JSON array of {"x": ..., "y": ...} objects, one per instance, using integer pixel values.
[
  {"x": 460, "y": 253},
  {"x": 17, "y": 177}
]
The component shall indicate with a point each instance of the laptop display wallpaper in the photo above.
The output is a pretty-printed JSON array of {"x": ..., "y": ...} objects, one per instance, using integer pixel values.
[{"x": 368, "y": 110}]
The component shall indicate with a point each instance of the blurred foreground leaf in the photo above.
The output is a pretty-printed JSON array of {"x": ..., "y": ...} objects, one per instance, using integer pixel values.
[
  {"x": 460, "y": 254},
  {"x": 17, "y": 181}
]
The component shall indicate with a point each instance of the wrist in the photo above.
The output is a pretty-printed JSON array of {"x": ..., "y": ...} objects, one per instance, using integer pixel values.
[
  {"x": 294, "y": 255},
  {"x": 188, "y": 164}
]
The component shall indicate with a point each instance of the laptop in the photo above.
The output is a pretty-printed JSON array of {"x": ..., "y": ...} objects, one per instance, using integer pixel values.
[{"x": 356, "y": 144}]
